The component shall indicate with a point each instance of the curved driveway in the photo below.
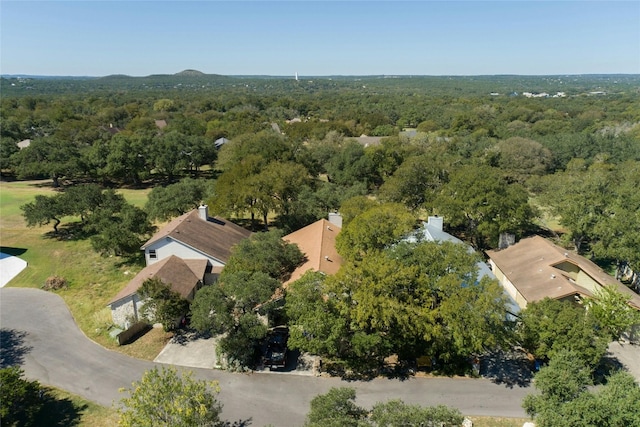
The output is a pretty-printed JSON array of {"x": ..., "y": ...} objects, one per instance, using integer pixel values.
[{"x": 52, "y": 349}]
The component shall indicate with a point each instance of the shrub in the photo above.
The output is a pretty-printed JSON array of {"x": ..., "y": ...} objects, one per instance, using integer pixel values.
[{"x": 53, "y": 283}]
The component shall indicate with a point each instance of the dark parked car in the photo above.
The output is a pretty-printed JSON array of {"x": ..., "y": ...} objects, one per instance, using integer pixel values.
[{"x": 275, "y": 348}]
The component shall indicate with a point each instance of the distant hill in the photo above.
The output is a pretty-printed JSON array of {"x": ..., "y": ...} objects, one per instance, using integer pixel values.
[
  {"x": 191, "y": 73},
  {"x": 116, "y": 77}
]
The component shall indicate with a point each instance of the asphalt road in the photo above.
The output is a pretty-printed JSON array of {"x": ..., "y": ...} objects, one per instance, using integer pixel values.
[{"x": 39, "y": 333}]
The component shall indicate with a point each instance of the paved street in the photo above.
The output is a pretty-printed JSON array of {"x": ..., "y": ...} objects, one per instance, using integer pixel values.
[{"x": 39, "y": 333}]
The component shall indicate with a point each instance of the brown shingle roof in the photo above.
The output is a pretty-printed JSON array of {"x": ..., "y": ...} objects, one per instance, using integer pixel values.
[
  {"x": 318, "y": 242},
  {"x": 214, "y": 237},
  {"x": 531, "y": 263},
  {"x": 182, "y": 274}
]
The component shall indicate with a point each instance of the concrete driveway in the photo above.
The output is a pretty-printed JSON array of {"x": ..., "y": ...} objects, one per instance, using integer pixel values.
[
  {"x": 190, "y": 350},
  {"x": 628, "y": 355}
]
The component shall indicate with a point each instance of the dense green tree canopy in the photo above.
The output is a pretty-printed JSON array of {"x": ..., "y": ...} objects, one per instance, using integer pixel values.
[
  {"x": 580, "y": 196},
  {"x": 114, "y": 226},
  {"x": 290, "y": 158},
  {"x": 161, "y": 304},
  {"x": 396, "y": 412},
  {"x": 521, "y": 158},
  {"x": 416, "y": 181},
  {"x": 565, "y": 400},
  {"x": 479, "y": 199},
  {"x": 211, "y": 310},
  {"x": 264, "y": 253},
  {"x": 549, "y": 326},
  {"x": 612, "y": 312},
  {"x": 164, "y": 203},
  {"x": 244, "y": 291},
  {"x": 168, "y": 398},
  {"x": 48, "y": 157},
  {"x": 374, "y": 230},
  {"x": 411, "y": 299},
  {"x": 338, "y": 408},
  {"x": 21, "y": 399}
]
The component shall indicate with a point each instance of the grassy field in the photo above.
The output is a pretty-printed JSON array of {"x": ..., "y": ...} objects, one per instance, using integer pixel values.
[
  {"x": 92, "y": 279},
  {"x": 67, "y": 409},
  {"x": 497, "y": 421}
]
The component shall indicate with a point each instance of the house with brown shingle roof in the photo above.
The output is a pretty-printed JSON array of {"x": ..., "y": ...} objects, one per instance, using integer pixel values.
[
  {"x": 317, "y": 242},
  {"x": 195, "y": 235},
  {"x": 187, "y": 252},
  {"x": 185, "y": 276},
  {"x": 534, "y": 268}
]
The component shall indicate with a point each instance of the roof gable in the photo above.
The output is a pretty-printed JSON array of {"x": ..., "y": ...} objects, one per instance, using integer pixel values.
[
  {"x": 318, "y": 242},
  {"x": 183, "y": 276},
  {"x": 214, "y": 237}
]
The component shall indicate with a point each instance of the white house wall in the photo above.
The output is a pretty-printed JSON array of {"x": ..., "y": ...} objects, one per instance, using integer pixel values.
[
  {"x": 167, "y": 247},
  {"x": 508, "y": 286}
]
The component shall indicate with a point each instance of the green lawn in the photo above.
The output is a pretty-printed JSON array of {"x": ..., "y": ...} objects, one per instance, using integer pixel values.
[
  {"x": 547, "y": 219},
  {"x": 497, "y": 421},
  {"x": 63, "y": 408},
  {"x": 92, "y": 279}
]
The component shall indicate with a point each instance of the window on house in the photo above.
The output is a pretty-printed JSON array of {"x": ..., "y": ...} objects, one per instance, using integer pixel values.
[{"x": 152, "y": 254}]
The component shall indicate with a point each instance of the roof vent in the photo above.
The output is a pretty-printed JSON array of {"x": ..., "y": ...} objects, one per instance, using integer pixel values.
[
  {"x": 326, "y": 257},
  {"x": 553, "y": 276}
]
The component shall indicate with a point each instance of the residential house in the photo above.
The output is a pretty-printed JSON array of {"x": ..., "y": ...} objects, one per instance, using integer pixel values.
[
  {"x": 368, "y": 141},
  {"x": 195, "y": 235},
  {"x": 220, "y": 142},
  {"x": 24, "y": 143},
  {"x": 189, "y": 251},
  {"x": 534, "y": 268},
  {"x": 317, "y": 242},
  {"x": 433, "y": 231},
  {"x": 185, "y": 276}
]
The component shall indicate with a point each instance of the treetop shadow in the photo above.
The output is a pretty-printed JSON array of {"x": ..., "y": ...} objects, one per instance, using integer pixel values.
[{"x": 12, "y": 347}]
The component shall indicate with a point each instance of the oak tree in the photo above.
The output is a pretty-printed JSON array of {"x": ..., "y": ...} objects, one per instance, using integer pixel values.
[{"x": 168, "y": 398}]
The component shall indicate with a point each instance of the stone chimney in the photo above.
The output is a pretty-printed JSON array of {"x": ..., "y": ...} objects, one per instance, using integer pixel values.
[
  {"x": 436, "y": 222},
  {"x": 203, "y": 210},
  {"x": 335, "y": 218},
  {"x": 506, "y": 240}
]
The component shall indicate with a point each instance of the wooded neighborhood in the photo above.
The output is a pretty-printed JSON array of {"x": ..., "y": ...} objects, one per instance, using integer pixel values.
[{"x": 477, "y": 221}]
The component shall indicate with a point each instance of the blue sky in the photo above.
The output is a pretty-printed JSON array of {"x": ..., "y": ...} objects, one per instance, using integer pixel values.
[{"x": 139, "y": 38}]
